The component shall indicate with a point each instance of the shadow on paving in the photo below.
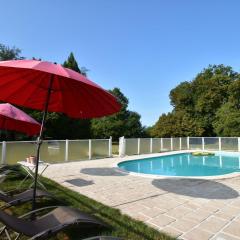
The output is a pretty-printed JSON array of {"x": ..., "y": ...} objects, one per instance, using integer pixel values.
[
  {"x": 80, "y": 182},
  {"x": 103, "y": 172},
  {"x": 196, "y": 188}
]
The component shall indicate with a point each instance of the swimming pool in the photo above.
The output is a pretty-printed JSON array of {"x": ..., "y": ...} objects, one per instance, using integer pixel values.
[{"x": 184, "y": 164}]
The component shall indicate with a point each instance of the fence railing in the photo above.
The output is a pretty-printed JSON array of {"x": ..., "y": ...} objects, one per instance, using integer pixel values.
[
  {"x": 54, "y": 151},
  {"x": 132, "y": 146}
]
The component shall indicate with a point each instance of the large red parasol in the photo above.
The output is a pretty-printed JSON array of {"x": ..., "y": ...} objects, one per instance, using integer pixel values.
[
  {"x": 25, "y": 83},
  {"x": 51, "y": 87},
  {"x": 12, "y": 118}
]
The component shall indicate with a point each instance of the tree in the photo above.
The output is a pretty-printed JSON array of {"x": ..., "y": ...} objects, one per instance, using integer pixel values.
[
  {"x": 227, "y": 121},
  {"x": 176, "y": 124},
  {"x": 59, "y": 126},
  {"x": 181, "y": 97},
  {"x": 72, "y": 64},
  {"x": 8, "y": 53},
  {"x": 196, "y": 103},
  {"x": 125, "y": 123},
  {"x": 234, "y": 93}
]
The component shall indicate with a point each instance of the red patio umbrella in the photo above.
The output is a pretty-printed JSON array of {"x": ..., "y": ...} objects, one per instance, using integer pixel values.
[
  {"x": 51, "y": 87},
  {"x": 12, "y": 118}
]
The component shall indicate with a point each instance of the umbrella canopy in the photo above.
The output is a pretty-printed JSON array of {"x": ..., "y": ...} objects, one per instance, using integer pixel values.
[
  {"x": 12, "y": 118},
  {"x": 25, "y": 83},
  {"x": 51, "y": 87}
]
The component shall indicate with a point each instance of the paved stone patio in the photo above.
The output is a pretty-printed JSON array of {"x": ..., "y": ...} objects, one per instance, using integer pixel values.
[{"x": 185, "y": 208}]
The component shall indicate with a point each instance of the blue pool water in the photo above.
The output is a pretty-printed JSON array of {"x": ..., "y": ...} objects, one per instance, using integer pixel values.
[{"x": 185, "y": 165}]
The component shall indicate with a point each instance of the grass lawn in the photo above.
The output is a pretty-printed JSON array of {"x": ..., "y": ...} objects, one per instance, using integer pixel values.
[{"x": 120, "y": 225}]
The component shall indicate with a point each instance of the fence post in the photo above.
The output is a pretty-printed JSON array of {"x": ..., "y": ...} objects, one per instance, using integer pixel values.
[
  {"x": 161, "y": 146},
  {"x": 66, "y": 150},
  {"x": 239, "y": 144},
  {"x": 4, "y": 145},
  {"x": 90, "y": 150},
  {"x": 151, "y": 145},
  {"x": 171, "y": 143},
  {"x": 188, "y": 145},
  {"x": 139, "y": 146},
  {"x": 122, "y": 147},
  {"x": 180, "y": 143},
  {"x": 220, "y": 144},
  {"x": 110, "y": 147},
  {"x": 203, "y": 143}
]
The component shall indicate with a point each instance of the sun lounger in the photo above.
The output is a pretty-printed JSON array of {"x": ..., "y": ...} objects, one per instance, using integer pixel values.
[
  {"x": 21, "y": 197},
  {"x": 103, "y": 238},
  {"x": 2, "y": 177},
  {"x": 2, "y": 168},
  {"x": 4, "y": 174},
  {"x": 47, "y": 225}
]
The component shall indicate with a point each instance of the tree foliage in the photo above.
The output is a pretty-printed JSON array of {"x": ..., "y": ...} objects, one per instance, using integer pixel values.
[
  {"x": 227, "y": 121},
  {"x": 71, "y": 63},
  {"x": 199, "y": 106},
  {"x": 8, "y": 53},
  {"x": 125, "y": 123}
]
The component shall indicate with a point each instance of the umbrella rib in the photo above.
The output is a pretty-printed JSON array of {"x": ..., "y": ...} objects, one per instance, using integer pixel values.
[
  {"x": 103, "y": 106},
  {"x": 70, "y": 96},
  {"x": 24, "y": 73},
  {"x": 92, "y": 106},
  {"x": 93, "y": 96},
  {"x": 18, "y": 89},
  {"x": 58, "y": 82},
  {"x": 8, "y": 81},
  {"x": 10, "y": 72},
  {"x": 34, "y": 90},
  {"x": 11, "y": 80},
  {"x": 111, "y": 102}
]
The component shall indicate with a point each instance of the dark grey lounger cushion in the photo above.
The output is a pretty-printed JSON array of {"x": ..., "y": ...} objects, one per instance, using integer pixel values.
[
  {"x": 54, "y": 221},
  {"x": 23, "y": 197},
  {"x": 103, "y": 238}
]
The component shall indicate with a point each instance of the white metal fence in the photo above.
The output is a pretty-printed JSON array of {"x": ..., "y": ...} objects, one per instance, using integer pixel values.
[
  {"x": 132, "y": 146},
  {"x": 54, "y": 151},
  {"x": 74, "y": 150}
]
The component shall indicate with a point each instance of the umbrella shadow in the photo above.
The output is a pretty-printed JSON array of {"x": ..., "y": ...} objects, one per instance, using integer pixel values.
[
  {"x": 196, "y": 188},
  {"x": 103, "y": 172},
  {"x": 79, "y": 182}
]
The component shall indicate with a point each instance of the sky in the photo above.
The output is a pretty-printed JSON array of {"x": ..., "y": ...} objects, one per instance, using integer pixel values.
[{"x": 144, "y": 47}]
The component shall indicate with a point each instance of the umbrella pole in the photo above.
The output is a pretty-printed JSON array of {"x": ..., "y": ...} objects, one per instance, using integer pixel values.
[{"x": 39, "y": 140}]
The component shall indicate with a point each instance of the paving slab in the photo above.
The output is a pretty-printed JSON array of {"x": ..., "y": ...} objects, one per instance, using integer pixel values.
[
  {"x": 184, "y": 225},
  {"x": 171, "y": 231},
  {"x": 213, "y": 224},
  {"x": 184, "y": 208},
  {"x": 197, "y": 234},
  {"x": 224, "y": 236},
  {"x": 233, "y": 228}
]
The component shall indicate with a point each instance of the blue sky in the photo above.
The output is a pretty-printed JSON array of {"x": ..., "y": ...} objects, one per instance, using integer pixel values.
[{"x": 144, "y": 47}]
